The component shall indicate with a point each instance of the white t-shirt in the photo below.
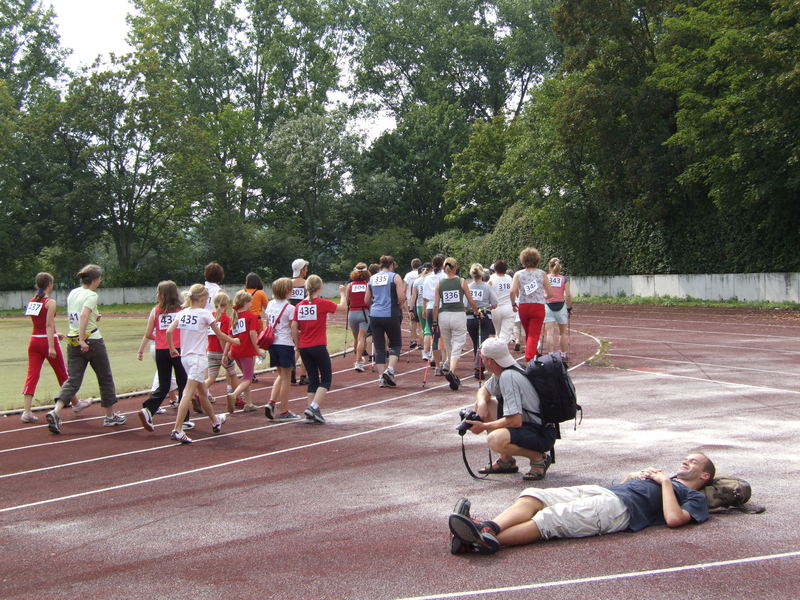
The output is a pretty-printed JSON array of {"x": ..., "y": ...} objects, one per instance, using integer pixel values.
[
  {"x": 193, "y": 324},
  {"x": 501, "y": 284},
  {"x": 429, "y": 289},
  {"x": 283, "y": 329},
  {"x": 212, "y": 288},
  {"x": 409, "y": 280}
]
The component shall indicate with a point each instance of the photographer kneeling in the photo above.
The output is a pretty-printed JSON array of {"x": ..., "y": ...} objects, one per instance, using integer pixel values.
[{"x": 519, "y": 432}]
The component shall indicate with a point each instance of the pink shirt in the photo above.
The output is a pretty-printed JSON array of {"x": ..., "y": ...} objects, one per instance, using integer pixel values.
[{"x": 557, "y": 285}]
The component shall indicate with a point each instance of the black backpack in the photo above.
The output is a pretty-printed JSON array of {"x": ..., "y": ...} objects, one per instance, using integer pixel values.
[{"x": 557, "y": 399}]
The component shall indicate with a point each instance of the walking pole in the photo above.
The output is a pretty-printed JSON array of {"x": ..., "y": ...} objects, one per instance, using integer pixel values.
[
  {"x": 346, "y": 316},
  {"x": 425, "y": 373},
  {"x": 480, "y": 358}
]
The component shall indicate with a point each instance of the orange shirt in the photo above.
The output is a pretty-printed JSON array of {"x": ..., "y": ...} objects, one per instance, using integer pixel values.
[{"x": 260, "y": 301}]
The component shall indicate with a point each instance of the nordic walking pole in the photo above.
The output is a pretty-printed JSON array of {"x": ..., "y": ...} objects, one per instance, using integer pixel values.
[{"x": 346, "y": 317}]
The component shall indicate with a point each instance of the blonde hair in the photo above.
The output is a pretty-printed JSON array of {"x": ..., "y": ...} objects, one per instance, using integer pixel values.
[
  {"x": 239, "y": 300},
  {"x": 530, "y": 258},
  {"x": 194, "y": 294},
  {"x": 476, "y": 270},
  {"x": 554, "y": 266},
  {"x": 450, "y": 264},
  {"x": 221, "y": 299},
  {"x": 89, "y": 273},
  {"x": 281, "y": 288},
  {"x": 313, "y": 284}
]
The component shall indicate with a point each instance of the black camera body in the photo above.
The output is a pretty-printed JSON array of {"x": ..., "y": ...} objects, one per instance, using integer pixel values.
[{"x": 467, "y": 414}]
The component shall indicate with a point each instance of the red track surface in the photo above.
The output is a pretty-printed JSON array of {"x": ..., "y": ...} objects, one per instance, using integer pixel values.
[{"x": 357, "y": 508}]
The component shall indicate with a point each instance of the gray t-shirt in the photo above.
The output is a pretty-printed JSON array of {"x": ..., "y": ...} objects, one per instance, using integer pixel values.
[{"x": 519, "y": 395}]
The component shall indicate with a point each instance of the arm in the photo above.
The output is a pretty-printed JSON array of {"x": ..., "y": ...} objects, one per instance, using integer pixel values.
[
  {"x": 83, "y": 322},
  {"x": 342, "y": 299},
  {"x": 50, "y": 325},
  {"x": 400, "y": 287},
  {"x": 436, "y": 303},
  {"x": 514, "y": 293},
  {"x": 148, "y": 333},
  {"x": 254, "y": 341},
  {"x": 501, "y": 423},
  {"x": 568, "y": 296},
  {"x": 412, "y": 302},
  {"x": 222, "y": 336},
  {"x": 368, "y": 295},
  {"x": 470, "y": 299},
  {"x": 172, "y": 327},
  {"x": 674, "y": 515},
  {"x": 296, "y": 333},
  {"x": 548, "y": 290}
]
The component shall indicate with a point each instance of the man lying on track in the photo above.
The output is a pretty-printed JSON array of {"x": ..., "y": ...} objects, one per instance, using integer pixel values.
[{"x": 584, "y": 510}]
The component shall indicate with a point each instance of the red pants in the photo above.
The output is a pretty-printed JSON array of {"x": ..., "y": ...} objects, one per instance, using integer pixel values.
[
  {"x": 37, "y": 354},
  {"x": 531, "y": 315}
]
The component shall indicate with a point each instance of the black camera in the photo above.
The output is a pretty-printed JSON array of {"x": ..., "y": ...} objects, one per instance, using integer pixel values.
[{"x": 467, "y": 414}]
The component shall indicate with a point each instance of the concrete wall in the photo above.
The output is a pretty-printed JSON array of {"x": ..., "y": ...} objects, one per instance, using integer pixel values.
[{"x": 146, "y": 295}]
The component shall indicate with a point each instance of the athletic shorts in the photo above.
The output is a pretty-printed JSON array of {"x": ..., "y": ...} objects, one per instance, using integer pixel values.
[
  {"x": 246, "y": 366},
  {"x": 578, "y": 511},
  {"x": 215, "y": 362},
  {"x": 281, "y": 356},
  {"x": 196, "y": 366},
  {"x": 560, "y": 316},
  {"x": 357, "y": 320},
  {"x": 533, "y": 437}
]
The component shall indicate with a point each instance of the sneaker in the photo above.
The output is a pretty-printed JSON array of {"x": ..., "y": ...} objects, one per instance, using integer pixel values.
[
  {"x": 211, "y": 398},
  {"x": 114, "y": 420},
  {"x": 239, "y": 402},
  {"x": 481, "y": 538},
  {"x": 287, "y": 416},
  {"x": 445, "y": 367},
  {"x": 437, "y": 372},
  {"x": 146, "y": 417},
  {"x": 254, "y": 379},
  {"x": 29, "y": 417},
  {"x": 181, "y": 437},
  {"x": 381, "y": 382},
  {"x": 174, "y": 403},
  {"x": 229, "y": 389},
  {"x": 412, "y": 344},
  {"x": 476, "y": 374},
  {"x": 269, "y": 410},
  {"x": 303, "y": 380},
  {"x": 80, "y": 405},
  {"x": 294, "y": 379},
  {"x": 457, "y": 546},
  {"x": 453, "y": 379},
  {"x": 187, "y": 425},
  {"x": 359, "y": 366},
  {"x": 516, "y": 346},
  {"x": 250, "y": 407},
  {"x": 388, "y": 377},
  {"x": 217, "y": 427},
  {"x": 426, "y": 356},
  {"x": 53, "y": 422},
  {"x": 314, "y": 415},
  {"x": 161, "y": 410}
]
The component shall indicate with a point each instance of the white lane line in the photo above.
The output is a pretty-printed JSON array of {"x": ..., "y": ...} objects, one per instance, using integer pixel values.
[
  {"x": 672, "y": 343},
  {"x": 707, "y": 380},
  {"x": 698, "y": 331},
  {"x": 226, "y": 463},
  {"x": 600, "y": 316},
  {"x": 703, "y": 364},
  {"x": 612, "y": 577}
]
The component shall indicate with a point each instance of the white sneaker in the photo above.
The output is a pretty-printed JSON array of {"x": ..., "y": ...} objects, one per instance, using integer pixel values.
[
  {"x": 359, "y": 366},
  {"x": 29, "y": 417},
  {"x": 85, "y": 403},
  {"x": 217, "y": 427}
]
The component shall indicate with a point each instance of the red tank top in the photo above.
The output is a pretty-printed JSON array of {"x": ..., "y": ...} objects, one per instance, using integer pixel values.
[
  {"x": 358, "y": 289},
  {"x": 162, "y": 323},
  {"x": 37, "y": 311}
]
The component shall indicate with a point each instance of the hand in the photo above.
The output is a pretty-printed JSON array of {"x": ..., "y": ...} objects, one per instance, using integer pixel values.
[
  {"x": 51, "y": 353},
  {"x": 174, "y": 353},
  {"x": 60, "y": 336},
  {"x": 236, "y": 341},
  {"x": 477, "y": 427},
  {"x": 435, "y": 327},
  {"x": 99, "y": 317},
  {"x": 139, "y": 355},
  {"x": 514, "y": 306},
  {"x": 569, "y": 310},
  {"x": 84, "y": 346},
  {"x": 341, "y": 288}
]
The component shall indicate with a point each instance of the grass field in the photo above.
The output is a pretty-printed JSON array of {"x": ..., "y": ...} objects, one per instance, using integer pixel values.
[{"x": 122, "y": 334}]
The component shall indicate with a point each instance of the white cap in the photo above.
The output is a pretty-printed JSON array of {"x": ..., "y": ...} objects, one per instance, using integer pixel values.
[
  {"x": 497, "y": 350},
  {"x": 297, "y": 266}
]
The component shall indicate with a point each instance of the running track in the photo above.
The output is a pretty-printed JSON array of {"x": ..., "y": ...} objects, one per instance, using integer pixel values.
[{"x": 357, "y": 508}]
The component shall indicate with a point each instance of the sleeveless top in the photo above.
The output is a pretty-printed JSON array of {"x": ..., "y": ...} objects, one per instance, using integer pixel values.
[
  {"x": 531, "y": 287},
  {"x": 557, "y": 283},
  {"x": 37, "y": 311},
  {"x": 451, "y": 295},
  {"x": 162, "y": 323},
  {"x": 358, "y": 290},
  {"x": 384, "y": 295}
]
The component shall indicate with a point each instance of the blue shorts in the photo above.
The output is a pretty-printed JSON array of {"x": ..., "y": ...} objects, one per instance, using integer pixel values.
[
  {"x": 281, "y": 356},
  {"x": 560, "y": 316}
]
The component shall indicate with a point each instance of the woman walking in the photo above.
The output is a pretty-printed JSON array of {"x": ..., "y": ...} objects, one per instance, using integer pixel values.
[
  {"x": 417, "y": 305},
  {"x": 557, "y": 311},
  {"x": 529, "y": 288},
  {"x": 281, "y": 353},
  {"x": 479, "y": 326},
  {"x": 44, "y": 345},
  {"x": 386, "y": 299},
  {"x": 503, "y": 315},
  {"x": 450, "y": 317},
  {"x": 429, "y": 298},
  {"x": 86, "y": 347},
  {"x": 357, "y": 317},
  {"x": 309, "y": 332}
]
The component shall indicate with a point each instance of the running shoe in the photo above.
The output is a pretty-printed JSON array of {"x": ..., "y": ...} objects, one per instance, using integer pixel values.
[
  {"x": 303, "y": 380},
  {"x": 187, "y": 425},
  {"x": 388, "y": 377},
  {"x": 426, "y": 356},
  {"x": 211, "y": 398},
  {"x": 269, "y": 410},
  {"x": 453, "y": 379},
  {"x": 229, "y": 389},
  {"x": 314, "y": 415},
  {"x": 80, "y": 405},
  {"x": 161, "y": 410},
  {"x": 146, "y": 417},
  {"x": 437, "y": 372},
  {"x": 174, "y": 403},
  {"x": 53, "y": 422},
  {"x": 480, "y": 537},
  {"x": 217, "y": 427},
  {"x": 29, "y": 417},
  {"x": 287, "y": 416},
  {"x": 412, "y": 344},
  {"x": 359, "y": 366},
  {"x": 445, "y": 367},
  {"x": 239, "y": 402},
  {"x": 114, "y": 420},
  {"x": 250, "y": 407},
  {"x": 181, "y": 437},
  {"x": 381, "y": 382}
]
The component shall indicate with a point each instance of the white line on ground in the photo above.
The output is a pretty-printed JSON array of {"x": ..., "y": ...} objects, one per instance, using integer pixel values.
[
  {"x": 612, "y": 577},
  {"x": 704, "y": 364},
  {"x": 672, "y": 343},
  {"x": 696, "y": 331}
]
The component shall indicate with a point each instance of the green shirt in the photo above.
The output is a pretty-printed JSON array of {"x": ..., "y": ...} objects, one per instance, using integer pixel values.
[
  {"x": 451, "y": 294},
  {"x": 78, "y": 299}
]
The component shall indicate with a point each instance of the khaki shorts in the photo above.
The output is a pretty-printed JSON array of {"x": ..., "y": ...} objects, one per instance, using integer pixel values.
[{"x": 578, "y": 511}]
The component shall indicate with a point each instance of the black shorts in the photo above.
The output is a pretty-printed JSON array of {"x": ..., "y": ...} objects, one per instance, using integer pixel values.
[{"x": 533, "y": 437}]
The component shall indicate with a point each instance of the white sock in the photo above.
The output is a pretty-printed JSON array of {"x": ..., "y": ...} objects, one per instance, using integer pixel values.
[{"x": 314, "y": 405}]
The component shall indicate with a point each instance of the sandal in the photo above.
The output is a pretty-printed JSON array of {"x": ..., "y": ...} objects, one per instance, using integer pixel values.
[
  {"x": 500, "y": 466},
  {"x": 543, "y": 464}
]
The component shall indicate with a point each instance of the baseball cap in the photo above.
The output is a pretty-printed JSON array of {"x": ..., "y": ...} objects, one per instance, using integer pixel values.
[
  {"x": 298, "y": 265},
  {"x": 497, "y": 350}
]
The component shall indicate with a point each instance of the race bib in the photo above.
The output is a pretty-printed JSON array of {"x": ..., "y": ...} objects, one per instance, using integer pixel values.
[
  {"x": 189, "y": 323},
  {"x": 33, "y": 309},
  {"x": 503, "y": 286},
  {"x": 238, "y": 327},
  {"x": 450, "y": 297},
  {"x": 380, "y": 279},
  {"x": 477, "y": 294},
  {"x": 358, "y": 287},
  {"x": 556, "y": 281},
  {"x": 298, "y": 293},
  {"x": 164, "y": 321},
  {"x": 74, "y": 320},
  {"x": 306, "y": 312},
  {"x": 530, "y": 288}
]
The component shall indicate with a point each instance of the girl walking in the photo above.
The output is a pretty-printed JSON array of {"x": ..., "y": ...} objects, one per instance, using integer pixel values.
[
  {"x": 529, "y": 288},
  {"x": 416, "y": 304},
  {"x": 357, "y": 317},
  {"x": 44, "y": 345},
  {"x": 479, "y": 326},
  {"x": 557, "y": 311},
  {"x": 86, "y": 347},
  {"x": 244, "y": 327},
  {"x": 281, "y": 353},
  {"x": 309, "y": 332},
  {"x": 218, "y": 353},
  {"x": 193, "y": 322}
]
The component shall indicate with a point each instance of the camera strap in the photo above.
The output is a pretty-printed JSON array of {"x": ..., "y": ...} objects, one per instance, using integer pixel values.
[{"x": 466, "y": 462}]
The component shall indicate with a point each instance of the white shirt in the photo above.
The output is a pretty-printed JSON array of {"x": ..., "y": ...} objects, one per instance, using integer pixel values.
[
  {"x": 409, "y": 280},
  {"x": 193, "y": 324},
  {"x": 501, "y": 284},
  {"x": 283, "y": 329}
]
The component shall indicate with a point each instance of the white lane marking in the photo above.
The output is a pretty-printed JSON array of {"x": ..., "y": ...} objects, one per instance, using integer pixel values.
[
  {"x": 729, "y": 383},
  {"x": 704, "y": 364},
  {"x": 226, "y": 463},
  {"x": 654, "y": 317},
  {"x": 612, "y": 577},
  {"x": 695, "y": 331},
  {"x": 672, "y": 343}
]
